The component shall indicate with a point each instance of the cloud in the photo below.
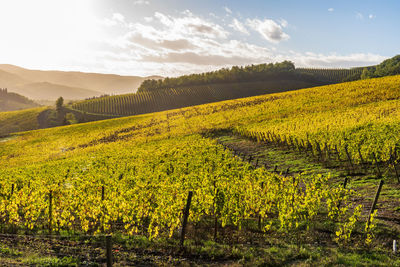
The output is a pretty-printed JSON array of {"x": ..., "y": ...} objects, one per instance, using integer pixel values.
[
  {"x": 332, "y": 60},
  {"x": 141, "y": 2},
  {"x": 227, "y": 10},
  {"x": 186, "y": 43},
  {"x": 194, "y": 58},
  {"x": 359, "y": 15},
  {"x": 192, "y": 25},
  {"x": 331, "y": 9},
  {"x": 238, "y": 26},
  {"x": 157, "y": 41},
  {"x": 118, "y": 17},
  {"x": 371, "y": 16},
  {"x": 283, "y": 23},
  {"x": 269, "y": 29}
]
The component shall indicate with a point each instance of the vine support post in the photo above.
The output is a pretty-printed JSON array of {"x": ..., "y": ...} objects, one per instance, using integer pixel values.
[
  {"x": 349, "y": 157},
  {"x": 396, "y": 171},
  {"x": 185, "y": 217},
  {"x": 362, "y": 160},
  {"x": 378, "y": 191},
  {"x": 50, "y": 210},
  {"x": 345, "y": 182},
  {"x": 377, "y": 165},
  {"x": 276, "y": 169},
  {"x": 259, "y": 216},
  {"x": 109, "y": 250},
  {"x": 287, "y": 172},
  {"x": 344, "y": 187}
]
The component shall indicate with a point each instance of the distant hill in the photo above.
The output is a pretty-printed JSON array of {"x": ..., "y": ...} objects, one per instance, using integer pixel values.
[
  {"x": 51, "y": 91},
  {"x": 82, "y": 85},
  {"x": 12, "y": 101}
]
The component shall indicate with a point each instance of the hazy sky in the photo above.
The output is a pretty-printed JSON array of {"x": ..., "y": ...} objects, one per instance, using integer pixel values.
[{"x": 161, "y": 37}]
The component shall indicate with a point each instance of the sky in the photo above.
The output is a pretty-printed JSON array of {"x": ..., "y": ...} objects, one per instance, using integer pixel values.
[{"x": 171, "y": 38}]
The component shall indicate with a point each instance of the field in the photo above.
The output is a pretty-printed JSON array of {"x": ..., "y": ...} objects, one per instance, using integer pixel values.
[
  {"x": 18, "y": 121},
  {"x": 266, "y": 174}
]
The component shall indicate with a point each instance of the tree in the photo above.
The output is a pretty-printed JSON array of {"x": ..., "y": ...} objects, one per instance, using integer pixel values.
[
  {"x": 365, "y": 74},
  {"x": 59, "y": 103}
]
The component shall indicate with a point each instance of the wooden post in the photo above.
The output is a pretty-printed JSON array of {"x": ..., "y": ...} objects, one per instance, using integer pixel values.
[
  {"x": 215, "y": 227},
  {"x": 328, "y": 154},
  {"x": 50, "y": 210},
  {"x": 287, "y": 172},
  {"x": 396, "y": 171},
  {"x": 345, "y": 182},
  {"x": 378, "y": 191},
  {"x": 109, "y": 250},
  {"x": 215, "y": 213},
  {"x": 256, "y": 163},
  {"x": 276, "y": 168},
  {"x": 185, "y": 217},
  {"x": 362, "y": 160},
  {"x": 349, "y": 157},
  {"x": 259, "y": 216},
  {"x": 377, "y": 165},
  {"x": 344, "y": 187},
  {"x": 102, "y": 193},
  {"x": 337, "y": 153},
  {"x": 12, "y": 191}
]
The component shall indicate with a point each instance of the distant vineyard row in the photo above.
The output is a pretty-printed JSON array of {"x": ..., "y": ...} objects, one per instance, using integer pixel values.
[
  {"x": 334, "y": 75},
  {"x": 159, "y": 100}
]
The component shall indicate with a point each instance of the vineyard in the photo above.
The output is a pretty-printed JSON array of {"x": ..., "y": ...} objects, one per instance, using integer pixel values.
[
  {"x": 172, "y": 98},
  {"x": 153, "y": 101},
  {"x": 333, "y": 75},
  {"x": 134, "y": 175}
]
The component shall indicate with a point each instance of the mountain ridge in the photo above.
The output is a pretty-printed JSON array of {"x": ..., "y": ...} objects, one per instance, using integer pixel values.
[{"x": 81, "y": 84}]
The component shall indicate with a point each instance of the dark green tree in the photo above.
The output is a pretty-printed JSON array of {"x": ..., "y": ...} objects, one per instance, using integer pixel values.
[{"x": 59, "y": 103}]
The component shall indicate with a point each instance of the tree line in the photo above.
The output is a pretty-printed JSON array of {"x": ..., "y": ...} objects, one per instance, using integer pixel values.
[
  {"x": 388, "y": 67},
  {"x": 285, "y": 69},
  {"x": 274, "y": 71}
]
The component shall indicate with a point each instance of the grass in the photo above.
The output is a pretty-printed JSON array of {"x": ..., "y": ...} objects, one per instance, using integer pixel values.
[{"x": 18, "y": 121}]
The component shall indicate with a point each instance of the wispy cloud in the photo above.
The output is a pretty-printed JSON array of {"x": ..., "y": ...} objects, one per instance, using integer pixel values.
[
  {"x": 331, "y": 9},
  {"x": 228, "y": 10},
  {"x": 141, "y": 2},
  {"x": 359, "y": 15},
  {"x": 269, "y": 29},
  {"x": 239, "y": 26},
  {"x": 371, "y": 16}
]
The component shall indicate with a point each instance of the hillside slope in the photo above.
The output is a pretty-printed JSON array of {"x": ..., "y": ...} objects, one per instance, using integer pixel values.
[
  {"x": 51, "y": 91},
  {"x": 133, "y": 175},
  {"x": 20, "y": 120},
  {"x": 12, "y": 101},
  {"x": 103, "y": 83},
  {"x": 159, "y": 100}
]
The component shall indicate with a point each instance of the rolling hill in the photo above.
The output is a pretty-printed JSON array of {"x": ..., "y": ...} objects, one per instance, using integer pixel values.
[
  {"x": 12, "y": 101},
  {"x": 51, "y": 91},
  {"x": 159, "y": 100},
  {"x": 19, "y": 120},
  {"x": 80, "y": 85}
]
